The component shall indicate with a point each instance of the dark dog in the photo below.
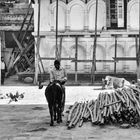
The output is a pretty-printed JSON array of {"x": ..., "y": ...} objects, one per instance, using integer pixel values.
[{"x": 54, "y": 95}]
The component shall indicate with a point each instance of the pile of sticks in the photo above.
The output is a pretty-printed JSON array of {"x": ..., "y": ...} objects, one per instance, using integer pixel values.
[{"x": 116, "y": 107}]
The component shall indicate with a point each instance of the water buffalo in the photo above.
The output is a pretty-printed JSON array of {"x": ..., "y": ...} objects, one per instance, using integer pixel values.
[{"x": 54, "y": 95}]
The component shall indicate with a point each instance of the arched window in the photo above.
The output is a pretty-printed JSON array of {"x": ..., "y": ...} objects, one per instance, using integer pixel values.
[
  {"x": 76, "y": 9},
  {"x": 120, "y": 53},
  {"x": 132, "y": 64},
  {"x": 61, "y": 15},
  {"x": 76, "y": 18},
  {"x": 100, "y": 55},
  {"x": 133, "y": 14},
  {"x": 101, "y": 17},
  {"x": 61, "y": 18}
]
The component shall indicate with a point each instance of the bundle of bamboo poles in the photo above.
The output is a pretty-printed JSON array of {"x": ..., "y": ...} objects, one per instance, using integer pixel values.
[{"x": 118, "y": 106}]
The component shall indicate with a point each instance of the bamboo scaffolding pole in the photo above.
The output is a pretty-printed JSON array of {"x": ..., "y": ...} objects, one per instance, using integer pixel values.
[
  {"x": 56, "y": 33},
  {"x": 138, "y": 63},
  {"x": 76, "y": 56},
  {"x": 19, "y": 34},
  {"x": 0, "y": 60},
  {"x": 37, "y": 47},
  {"x": 115, "y": 54},
  {"x": 25, "y": 33},
  {"x": 94, "y": 47}
]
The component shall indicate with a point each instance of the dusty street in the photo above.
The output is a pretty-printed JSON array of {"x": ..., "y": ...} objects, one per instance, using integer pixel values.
[
  {"x": 28, "y": 119},
  {"x": 31, "y": 122}
]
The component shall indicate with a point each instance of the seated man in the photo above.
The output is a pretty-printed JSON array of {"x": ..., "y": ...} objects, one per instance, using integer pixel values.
[{"x": 59, "y": 74}]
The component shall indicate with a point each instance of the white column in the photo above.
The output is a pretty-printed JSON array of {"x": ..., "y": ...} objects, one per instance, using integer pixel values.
[
  {"x": 52, "y": 20},
  {"x": 86, "y": 21},
  {"x": 67, "y": 20},
  {"x": 128, "y": 18}
]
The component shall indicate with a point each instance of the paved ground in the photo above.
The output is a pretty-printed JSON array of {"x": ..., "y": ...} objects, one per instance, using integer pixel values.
[
  {"x": 33, "y": 95},
  {"x": 28, "y": 119},
  {"x": 31, "y": 122}
]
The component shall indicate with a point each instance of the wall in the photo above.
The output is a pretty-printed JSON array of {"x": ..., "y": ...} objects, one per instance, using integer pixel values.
[
  {"x": 44, "y": 16},
  {"x": 105, "y": 51},
  {"x": 76, "y": 18}
]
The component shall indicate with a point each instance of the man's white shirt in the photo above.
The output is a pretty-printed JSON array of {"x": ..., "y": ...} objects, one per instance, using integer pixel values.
[{"x": 2, "y": 66}]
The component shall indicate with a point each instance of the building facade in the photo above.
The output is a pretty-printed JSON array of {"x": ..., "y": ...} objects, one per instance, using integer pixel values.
[
  {"x": 12, "y": 15},
  {"x": 117, "y": 33}
]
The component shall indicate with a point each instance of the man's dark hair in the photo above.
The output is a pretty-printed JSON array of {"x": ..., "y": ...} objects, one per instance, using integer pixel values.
[{"x": 56, "y": 62}]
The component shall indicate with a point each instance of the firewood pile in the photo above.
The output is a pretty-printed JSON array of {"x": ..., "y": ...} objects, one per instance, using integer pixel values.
[{"x": 116, "y": 107}]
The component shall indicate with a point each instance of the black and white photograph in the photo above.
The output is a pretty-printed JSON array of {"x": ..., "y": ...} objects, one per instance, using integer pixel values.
[{"x": 70, "y": 69}]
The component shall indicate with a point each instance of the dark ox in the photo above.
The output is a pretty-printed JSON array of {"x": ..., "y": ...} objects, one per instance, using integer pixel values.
[
  {"x": 114, "y": 82},
  {"x": 54, "y": 96}
]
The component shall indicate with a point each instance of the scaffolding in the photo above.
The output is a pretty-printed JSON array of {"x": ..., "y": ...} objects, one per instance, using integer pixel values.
[
  {"x": 75, "y": 60},
  {"x": 20, "y": 56},
  {"x": 58, "y": 50},
  {"x": 93, "y": 61}
]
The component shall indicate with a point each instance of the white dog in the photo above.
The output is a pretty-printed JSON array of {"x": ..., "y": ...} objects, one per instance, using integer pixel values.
[{"x": 114, "y": 82}]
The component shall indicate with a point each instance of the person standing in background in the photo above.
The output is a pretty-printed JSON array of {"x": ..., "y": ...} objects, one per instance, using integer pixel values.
[{"x": 3, "y": 70}]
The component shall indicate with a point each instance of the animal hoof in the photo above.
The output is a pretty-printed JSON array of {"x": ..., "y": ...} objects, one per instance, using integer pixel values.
[
  {"x": 40, "y": 86},
  {"x": 62, "y": 114},
  {"x": 58, "y": 121},
  {"x": 51, "y": 124},
  {"x": 54, "y": 118}
]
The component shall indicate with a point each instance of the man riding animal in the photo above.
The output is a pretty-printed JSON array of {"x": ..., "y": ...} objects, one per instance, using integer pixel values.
[
  {"x": 55, "y": 92},
  {"x": 58, "y": 74}
]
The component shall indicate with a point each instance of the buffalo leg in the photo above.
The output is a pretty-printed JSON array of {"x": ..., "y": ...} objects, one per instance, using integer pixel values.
[
  {"x": 59, "y": 113},
  {"x": 63, "y": 101},
  {"x": 51, "y": 114},
  {"x": 55, "y": 110}
]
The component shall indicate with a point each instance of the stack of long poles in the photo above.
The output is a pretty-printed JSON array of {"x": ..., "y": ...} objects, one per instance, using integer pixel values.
[{"x": 118, "y": 106}]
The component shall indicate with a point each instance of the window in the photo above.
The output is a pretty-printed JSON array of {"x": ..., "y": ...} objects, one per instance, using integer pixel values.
[{"x": 116, "y": 14}]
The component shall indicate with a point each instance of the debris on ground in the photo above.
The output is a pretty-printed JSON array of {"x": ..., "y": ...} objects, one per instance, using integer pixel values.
[{"x": 13, "y": 97}]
